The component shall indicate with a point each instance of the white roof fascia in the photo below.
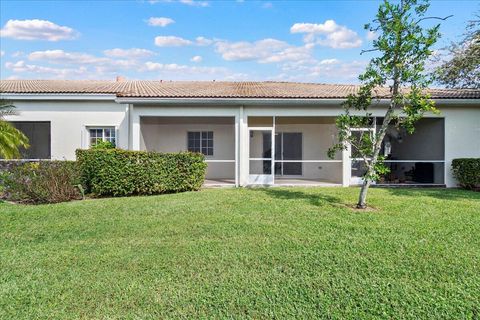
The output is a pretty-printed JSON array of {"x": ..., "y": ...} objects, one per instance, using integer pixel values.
[
  {"x": 273, "y": 101},
  {"x": 57, "y": 96}
]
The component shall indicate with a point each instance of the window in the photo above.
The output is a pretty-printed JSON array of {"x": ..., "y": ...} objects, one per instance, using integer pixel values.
[
  {"x": 201, "y": 141},
  {"x": 38, "y": 134},
  {"x": 102, "y": 134}
]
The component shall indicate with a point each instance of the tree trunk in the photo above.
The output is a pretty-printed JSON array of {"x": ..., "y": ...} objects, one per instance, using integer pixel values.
[{"x": 362, "y": 199}]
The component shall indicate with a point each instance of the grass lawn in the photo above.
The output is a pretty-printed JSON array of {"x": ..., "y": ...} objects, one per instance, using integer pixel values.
[{"x": 244, "y": 253}]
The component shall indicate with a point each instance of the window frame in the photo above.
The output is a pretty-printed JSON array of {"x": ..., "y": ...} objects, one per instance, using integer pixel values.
[
  {"x": 103, "y": 137},
  {"x": 203, "y": 142}
]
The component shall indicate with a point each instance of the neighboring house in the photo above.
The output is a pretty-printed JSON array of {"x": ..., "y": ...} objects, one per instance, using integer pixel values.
[{"x": 250, "y": 132}]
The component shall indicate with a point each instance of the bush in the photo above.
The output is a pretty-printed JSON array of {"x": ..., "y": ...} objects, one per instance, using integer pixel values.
[
  {"x": 467, "y": 172},
  {"x": 115, "y": 172},
  {"x": 42, "y": 182},
  {"x": 103, "y": 145}
]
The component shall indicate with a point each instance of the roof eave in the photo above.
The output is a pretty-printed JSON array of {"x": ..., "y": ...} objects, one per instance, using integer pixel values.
[
  {"x": 272, "y": 101},
  {"x": 58, "y": 96}
]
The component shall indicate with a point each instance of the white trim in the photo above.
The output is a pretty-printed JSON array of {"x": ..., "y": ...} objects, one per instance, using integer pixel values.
[
  {"x": 57, "y": 96},
  {"x": 220, "y": 161},
  {"x": 26, "y": 160},
  {"x": 100, "y": 127},
  {"x": 210, "y": 101},
  {"x": 273, "y": 150},
  {"x": 260, "y": 128},
  {"x": 309, "y": 161},
  {"x": 237, "y": 144},
  {"x": 262, "y": 179},
  {"x": 273, "y": 101},
  {"x": 402, "y": 161}
]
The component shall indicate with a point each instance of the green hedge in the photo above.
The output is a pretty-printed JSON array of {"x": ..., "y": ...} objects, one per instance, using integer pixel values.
[
  {"x": 114, "y": 172},
  {"x": 467, "y": 172}
]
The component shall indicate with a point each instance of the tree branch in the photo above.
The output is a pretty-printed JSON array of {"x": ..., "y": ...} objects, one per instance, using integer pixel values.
[
  {"x": 436, "y": 18},
  {"x": 369, "y": 50}
]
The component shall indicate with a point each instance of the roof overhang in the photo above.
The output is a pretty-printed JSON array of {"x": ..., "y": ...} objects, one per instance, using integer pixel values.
[
  {"x": 270, "y": 101},
  {"x": 58, "y": 96},
  {"x": 208, "y": 101}
]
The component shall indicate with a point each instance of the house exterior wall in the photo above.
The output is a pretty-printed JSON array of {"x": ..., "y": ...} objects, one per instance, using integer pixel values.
[
  {"x": 173, "y": 138},
  {"x": 70, "y": 118},
  {"x": 69, "y": 121},
  {"x": 462, "y": 136}
]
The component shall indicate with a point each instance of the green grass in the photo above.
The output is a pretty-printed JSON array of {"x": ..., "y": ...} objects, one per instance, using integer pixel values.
[{"x": 244, "y": 253}]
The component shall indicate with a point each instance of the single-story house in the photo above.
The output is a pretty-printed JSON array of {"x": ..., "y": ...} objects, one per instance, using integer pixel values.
[{"x": 274, "y": 133}]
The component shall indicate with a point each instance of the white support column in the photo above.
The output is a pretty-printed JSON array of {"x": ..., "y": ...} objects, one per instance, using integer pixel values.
[
  {"x": 273, "y": 150},
  {"x": 237, "y": 149},
  {"x": 346, "y": 167},
  {"x": 135, "y": 133},
  {"x": 129, "y": 112},
  {"x": 243, "y": 147}
]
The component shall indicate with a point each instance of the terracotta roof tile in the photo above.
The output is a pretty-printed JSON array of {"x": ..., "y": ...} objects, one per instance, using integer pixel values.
[{"x": 204, "y": 89}]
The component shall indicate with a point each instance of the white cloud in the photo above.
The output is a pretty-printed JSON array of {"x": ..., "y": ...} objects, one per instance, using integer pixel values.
[
  {"x": 128, "y": 53},
  {"x": 263, "y": 51},
  {"x": 179, "y": 69},
  {"x": 60, "y": 56},
  {"x": 2, "y": 53},
  {"x": 59, "y": 64},
  {"x": 202, "y": 41},
  {"x": 46, "y": 72},
  {"x": 187, "y": 2},
  {"x": 171, "y": 41},
  {"x": 328, "y": 34},
  {"x": 37, "y": 30},
  {"x": 332, "y": 69},
  {"x": 159, "y": 21},
  {"x": 371, "y": 35},
  {"x": 196, "y": 59},
  {"x": 101, "y": 65},
  {"x": 17, "y": 54}
]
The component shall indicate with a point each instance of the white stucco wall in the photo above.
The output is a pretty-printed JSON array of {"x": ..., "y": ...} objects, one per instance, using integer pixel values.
[
  {"x": 173, "y": 138},
  {"x": 69, "y": 120},
  {"x": 462, "y": 136}
]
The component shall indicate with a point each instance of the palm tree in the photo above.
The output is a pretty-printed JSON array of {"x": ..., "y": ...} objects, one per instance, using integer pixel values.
[{"x": 10, "y": 137}]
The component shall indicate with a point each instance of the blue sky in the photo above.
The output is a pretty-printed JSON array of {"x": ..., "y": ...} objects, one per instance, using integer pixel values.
[{"x": 308, "y": 41}]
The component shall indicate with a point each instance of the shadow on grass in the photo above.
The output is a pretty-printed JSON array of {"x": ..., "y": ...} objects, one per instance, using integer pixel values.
[
  {"x": 318, "y": 199},
  {"x": 440, "y": 193}
]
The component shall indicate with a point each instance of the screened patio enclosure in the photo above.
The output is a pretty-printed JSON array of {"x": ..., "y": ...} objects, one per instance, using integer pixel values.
[
  {"x": 413, "y": 159},
  {"x": 212, "y": 136},
  {"x": 292, "y": 151}
]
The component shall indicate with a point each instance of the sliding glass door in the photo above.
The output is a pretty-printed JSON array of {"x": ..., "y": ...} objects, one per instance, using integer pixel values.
[{"x": 288, "y": 150}]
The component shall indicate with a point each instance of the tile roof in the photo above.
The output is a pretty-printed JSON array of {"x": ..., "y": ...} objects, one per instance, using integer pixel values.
[{"x": 206, "y": 89}]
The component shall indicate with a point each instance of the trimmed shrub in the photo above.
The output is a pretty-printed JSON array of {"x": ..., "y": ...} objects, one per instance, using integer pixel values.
[
  {"x": 467, "y": 172},
  {"x": 42, "y": 182},
  {"x": 115, "y": 172},
  {"x": 103, "y": 145}
]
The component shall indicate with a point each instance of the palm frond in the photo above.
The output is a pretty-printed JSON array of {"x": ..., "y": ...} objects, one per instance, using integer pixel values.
[{"x": 11, "y": 139}]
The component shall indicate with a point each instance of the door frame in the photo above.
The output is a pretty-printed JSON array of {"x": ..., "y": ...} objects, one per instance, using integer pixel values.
[
  {"x": 262, "y": 179},
  {"x": 293, "y": 161}
]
